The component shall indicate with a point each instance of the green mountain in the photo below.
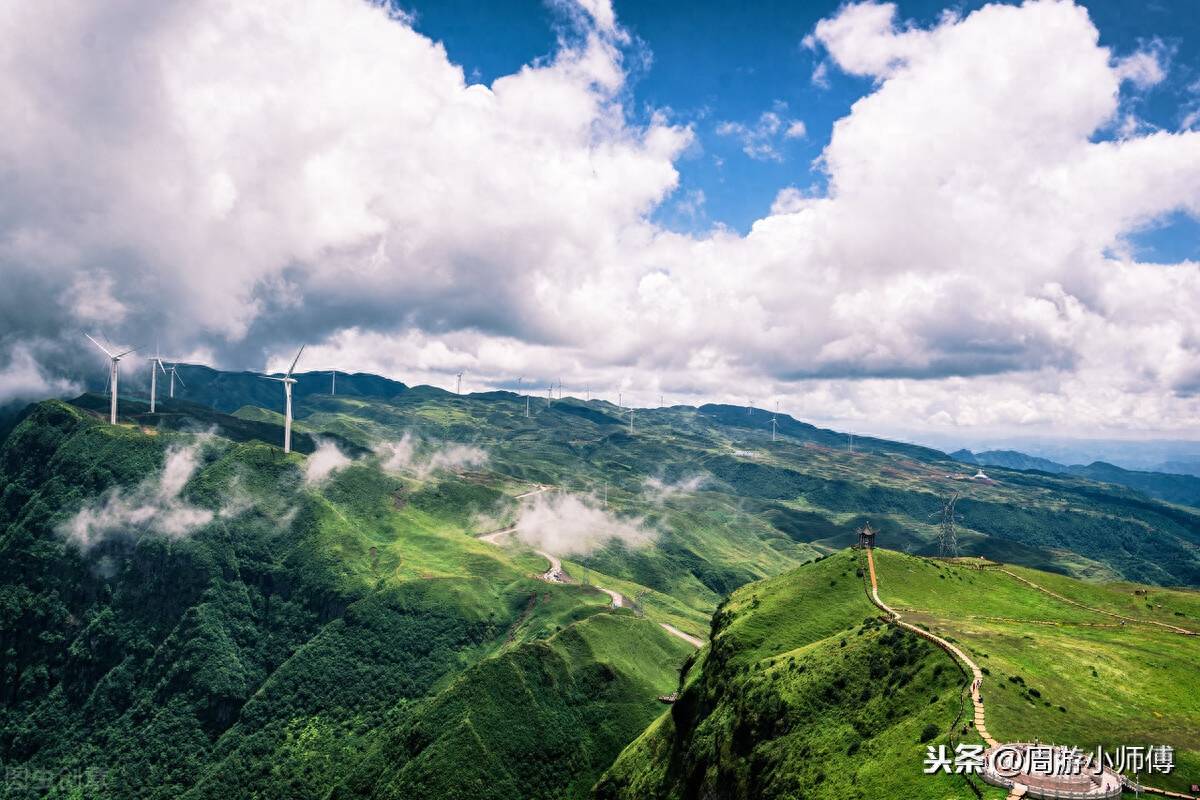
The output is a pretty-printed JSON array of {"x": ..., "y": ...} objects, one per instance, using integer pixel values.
[
  {"x": 1172, "y": 488},
  {"x": 195, "y": 614},
  {"x": 806, "y": 692}
]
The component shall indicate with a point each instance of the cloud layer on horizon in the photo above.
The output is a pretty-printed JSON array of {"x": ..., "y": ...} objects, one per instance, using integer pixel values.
[{"x": 236, "y": 174}]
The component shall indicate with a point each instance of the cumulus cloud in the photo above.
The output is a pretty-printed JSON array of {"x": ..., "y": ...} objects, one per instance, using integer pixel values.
[
  {"x": 324, "y": 461},
  {"x": 408, "y": 455},
  {"x": 568, "y": 524},
  {"x": 760, "y": 139},
  {"x": 971, "y": 259},
  {"x": 153, "y": 506}
]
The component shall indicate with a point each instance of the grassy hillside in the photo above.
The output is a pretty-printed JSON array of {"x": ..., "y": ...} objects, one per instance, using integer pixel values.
[
  {"x": 1060, "y": 672},
  {"x": 200, "y": 615},
  {"x": 804, "y": 693}
]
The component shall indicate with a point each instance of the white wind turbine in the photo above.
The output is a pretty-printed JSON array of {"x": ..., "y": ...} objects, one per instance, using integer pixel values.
[
  {"x": 459, "y": 389},
  {"x": 171, "y": 372},
  {"x": 114, "y": 359},
  {"x": 333, "y": 383},
  {"x": 773, "y": 424},
  {"x": 155, "y": 361},
  {"x": 287, "y": 381}
]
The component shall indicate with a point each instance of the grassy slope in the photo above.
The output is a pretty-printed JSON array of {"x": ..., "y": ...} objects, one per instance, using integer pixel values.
[
  {"x": 1054, "y": 672},
  {"x": 799, "y": 698},
  {"x": 1119, "y": 684},
  {"x": 368, "y": 543}
]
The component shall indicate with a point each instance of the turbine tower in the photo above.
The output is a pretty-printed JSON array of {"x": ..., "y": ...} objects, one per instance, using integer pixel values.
[
  {"x": 631, "y": 420},
  {"x": 114, "y": 360},
  {"x": 333, "y": 382},
  {"x": 287, "y": 381},
  {"x": 173, "y": 377},
  {"x": 459, "y": 389},
  {"x": 155, "y": 361}
]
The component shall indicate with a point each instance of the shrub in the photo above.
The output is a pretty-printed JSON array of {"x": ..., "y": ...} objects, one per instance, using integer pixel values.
[{"x": 929, "y": 733}]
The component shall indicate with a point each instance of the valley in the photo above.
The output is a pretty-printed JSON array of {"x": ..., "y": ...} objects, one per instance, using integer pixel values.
[{"x": 439, "y": 596}]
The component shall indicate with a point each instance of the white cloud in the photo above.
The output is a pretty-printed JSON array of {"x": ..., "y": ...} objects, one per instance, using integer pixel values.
[
  {"x": 23, "y": 378},
  {"x": 323, "y": 462},
  {"x": 658, "y": 490},
  {"x": 407, "y": 455},
  {"x": 567, "y": 524},
  {"x": 968, "y": 264},
  {"x": 760, "y": 140},
  {"x": 154, "y": 506}
]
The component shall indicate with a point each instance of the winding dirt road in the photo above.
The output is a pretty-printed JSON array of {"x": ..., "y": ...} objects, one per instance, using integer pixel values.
[{"x": 555, "y": 573}]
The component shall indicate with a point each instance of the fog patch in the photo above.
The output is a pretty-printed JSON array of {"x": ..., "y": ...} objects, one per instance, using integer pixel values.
[
  {"x": 568, "y": 524},
  {"x": 325, "y": 460},
  {"x": 658, "y": 490},
  {"x": 153, "y": 505},
  {"x": 409, "y": 455}
]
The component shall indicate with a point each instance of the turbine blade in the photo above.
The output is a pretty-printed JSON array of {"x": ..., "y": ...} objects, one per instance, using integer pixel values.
[
  {"x": 102, "y": 347},
  {"x": 160, "y": 365},
  {"x": 127, "y": 352},
  {"x": 181, "y": 383},
  {"x": 296, "y": 361},
  {"x": 273, "y": 378}
]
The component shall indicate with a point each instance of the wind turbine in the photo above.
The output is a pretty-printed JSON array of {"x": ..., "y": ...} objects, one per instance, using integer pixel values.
[
  {"x": 459, "y": 389},
  {"x": 112, "y": 375},
  {"x": 631, "y": 420},
  {"x": 287, "y": 381},
  {"x": 333, "y": 383},
  {"x": 173, "y": 376},
  {"x": 155, "y": 361}
]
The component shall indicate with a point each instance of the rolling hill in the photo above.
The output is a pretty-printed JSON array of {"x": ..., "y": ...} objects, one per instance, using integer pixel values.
[
  {"x": 805, "y": 692},
  {"x": 199, "y": 615}
]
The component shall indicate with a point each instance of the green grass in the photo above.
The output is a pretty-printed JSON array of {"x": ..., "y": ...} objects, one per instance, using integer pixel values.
[
  {"x": 282, "y": 648},
  {"x": 1130, "y": 684},
  {"x": 799, "y": 698}
]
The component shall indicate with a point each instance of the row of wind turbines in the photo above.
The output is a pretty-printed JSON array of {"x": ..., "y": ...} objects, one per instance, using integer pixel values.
[{"x": 156, "y": 365}]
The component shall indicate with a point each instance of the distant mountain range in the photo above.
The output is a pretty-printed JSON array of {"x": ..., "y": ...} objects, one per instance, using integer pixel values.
[{"x": 1180, "y": 487}]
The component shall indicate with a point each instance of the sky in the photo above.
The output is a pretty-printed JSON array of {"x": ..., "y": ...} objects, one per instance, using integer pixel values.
[{"x": 897, "y": 218}]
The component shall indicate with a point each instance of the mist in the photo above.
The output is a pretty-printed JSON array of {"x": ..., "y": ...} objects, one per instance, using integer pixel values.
[
  {"x": 155, "y": 505},
  {"x": 658, "y": 490},
  {"x": 568, "y": 524},
  {"x": 408, "y": 455},
  {"x": 324, "y": 461}
]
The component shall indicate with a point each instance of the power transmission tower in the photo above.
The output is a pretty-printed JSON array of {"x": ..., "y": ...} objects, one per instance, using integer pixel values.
[{"x": 947, "y": 533}]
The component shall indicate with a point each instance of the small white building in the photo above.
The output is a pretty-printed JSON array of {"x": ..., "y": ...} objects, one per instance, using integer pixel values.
[{"x": 980, "y": 476}]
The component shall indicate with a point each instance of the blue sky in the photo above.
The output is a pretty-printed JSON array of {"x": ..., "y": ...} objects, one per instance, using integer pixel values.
[{"x": 712, "y": 62}]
